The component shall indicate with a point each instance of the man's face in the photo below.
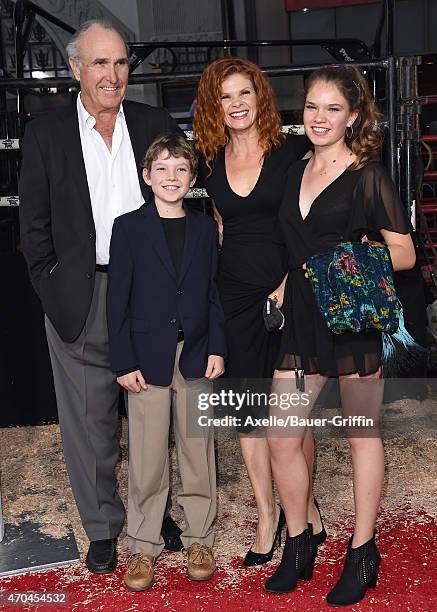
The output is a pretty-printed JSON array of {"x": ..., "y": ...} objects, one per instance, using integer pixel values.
[{"x": 103, "y": 69}]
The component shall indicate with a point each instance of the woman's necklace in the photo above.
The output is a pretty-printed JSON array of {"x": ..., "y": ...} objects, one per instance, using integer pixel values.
[{"x": 334, "y": 161}]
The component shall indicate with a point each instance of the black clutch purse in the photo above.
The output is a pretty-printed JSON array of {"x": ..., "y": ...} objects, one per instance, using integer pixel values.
[{"x": 273, "y": 317}]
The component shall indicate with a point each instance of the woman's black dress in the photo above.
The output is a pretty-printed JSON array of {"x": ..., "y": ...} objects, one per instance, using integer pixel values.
[
  {"x": 356, "y": 204},
  {"x": 252, "y": 262}
]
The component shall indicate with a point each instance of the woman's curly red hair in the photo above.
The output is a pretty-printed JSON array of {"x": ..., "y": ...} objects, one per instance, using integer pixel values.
[{"x": 209, "y": 129}]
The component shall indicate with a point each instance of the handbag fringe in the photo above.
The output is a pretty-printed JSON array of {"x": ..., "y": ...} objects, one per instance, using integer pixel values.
[{"x": 400, "y": 351}]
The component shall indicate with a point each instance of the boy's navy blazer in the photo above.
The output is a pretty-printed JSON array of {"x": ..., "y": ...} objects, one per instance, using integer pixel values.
[{"x": 146, "y": 298}]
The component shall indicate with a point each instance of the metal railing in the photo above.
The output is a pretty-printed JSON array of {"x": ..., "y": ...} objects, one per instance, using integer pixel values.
[
  {"x": 386, "y": 65},
  {"x": 383, "y": 73}
]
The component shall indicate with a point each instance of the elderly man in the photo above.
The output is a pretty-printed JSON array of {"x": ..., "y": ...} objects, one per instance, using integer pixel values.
[{"x": 80, "y": 171}]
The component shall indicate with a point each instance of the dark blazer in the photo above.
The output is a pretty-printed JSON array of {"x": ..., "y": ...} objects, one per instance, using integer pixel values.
[
  {"x": 146, "y": 298},
  {"x": 57, "y": 227}
]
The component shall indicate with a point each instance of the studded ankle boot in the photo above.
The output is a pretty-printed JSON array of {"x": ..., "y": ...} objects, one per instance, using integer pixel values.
[
  {"x": 360, "y": 572},
  {"x": 297, "y": 562}
]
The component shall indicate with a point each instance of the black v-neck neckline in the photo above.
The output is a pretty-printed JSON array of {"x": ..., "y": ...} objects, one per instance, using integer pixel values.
[
  {"x": 303, "y": 219},
  {"x": 229, "y": 184}
]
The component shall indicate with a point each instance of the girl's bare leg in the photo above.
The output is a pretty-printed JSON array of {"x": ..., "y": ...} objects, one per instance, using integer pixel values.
[{"x": 362, "y": 396}]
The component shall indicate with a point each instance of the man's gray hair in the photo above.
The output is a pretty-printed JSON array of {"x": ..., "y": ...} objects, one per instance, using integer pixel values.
[{"x": 72, "y": 48}]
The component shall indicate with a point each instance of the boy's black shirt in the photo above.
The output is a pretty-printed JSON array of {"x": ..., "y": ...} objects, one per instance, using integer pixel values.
[{"x": 174, "y": 230}]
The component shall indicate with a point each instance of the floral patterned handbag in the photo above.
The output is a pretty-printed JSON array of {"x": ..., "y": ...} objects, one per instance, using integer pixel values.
[{"x": 354, "y": 289}]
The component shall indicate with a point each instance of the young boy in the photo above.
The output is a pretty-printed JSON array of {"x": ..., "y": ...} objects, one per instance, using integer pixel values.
[{"x": 166, "y": 338}]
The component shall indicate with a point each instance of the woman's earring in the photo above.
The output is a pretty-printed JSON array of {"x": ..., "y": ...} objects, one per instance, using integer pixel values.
[{"x": 349, "y": 135}]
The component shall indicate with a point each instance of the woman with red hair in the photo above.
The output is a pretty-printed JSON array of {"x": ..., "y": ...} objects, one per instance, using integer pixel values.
[{"x": 246, "y": 156}]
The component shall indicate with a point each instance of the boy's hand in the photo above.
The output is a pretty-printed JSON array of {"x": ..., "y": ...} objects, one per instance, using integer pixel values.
[
  {"x": 133, "y": 381},
  {"x": 215, "y": 367}
]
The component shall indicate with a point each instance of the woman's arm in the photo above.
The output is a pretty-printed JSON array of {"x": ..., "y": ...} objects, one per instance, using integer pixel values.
[
  {"x": 219, "y": 221},
  {"x": 401, "y": 247}
]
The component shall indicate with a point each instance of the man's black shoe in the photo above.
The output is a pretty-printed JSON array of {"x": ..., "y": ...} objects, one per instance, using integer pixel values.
[
  {"x": 171, "y": 532},
  {"x": 102, "y": 556}
]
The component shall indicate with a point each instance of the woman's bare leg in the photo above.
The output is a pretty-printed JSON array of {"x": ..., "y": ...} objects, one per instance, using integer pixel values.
[
  {"x": 256, "y": 455},
  {"x": 289, "y": 450}
]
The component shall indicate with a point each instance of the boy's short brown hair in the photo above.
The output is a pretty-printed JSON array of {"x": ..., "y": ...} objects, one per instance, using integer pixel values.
[{"x": 176, "y": 145}]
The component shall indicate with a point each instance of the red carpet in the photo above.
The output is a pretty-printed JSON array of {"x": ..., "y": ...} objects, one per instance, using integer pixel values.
[{"x": 407, "y": 580}]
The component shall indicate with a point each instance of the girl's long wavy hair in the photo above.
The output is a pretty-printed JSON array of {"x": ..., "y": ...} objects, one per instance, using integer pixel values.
[
  {"x": 209, "y": 129},
  {"x": 365, "y": 138}
]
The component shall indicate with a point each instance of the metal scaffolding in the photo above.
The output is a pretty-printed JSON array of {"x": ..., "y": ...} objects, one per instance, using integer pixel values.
[{"x": 393, "y": 81}]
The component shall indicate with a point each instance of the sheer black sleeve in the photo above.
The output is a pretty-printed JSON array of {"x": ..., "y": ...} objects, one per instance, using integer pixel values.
[{"x": 377, "y": 204}]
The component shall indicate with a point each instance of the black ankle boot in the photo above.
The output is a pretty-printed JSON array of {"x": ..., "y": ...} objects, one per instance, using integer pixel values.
[
  {"x": 360, "y": 572},
  {"x": 297, "y": 562}
]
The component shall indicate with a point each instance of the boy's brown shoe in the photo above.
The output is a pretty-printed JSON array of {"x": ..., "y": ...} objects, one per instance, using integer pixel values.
[
  {"x": 139, "y": 575},
  {"x": 200, "y": 562}
]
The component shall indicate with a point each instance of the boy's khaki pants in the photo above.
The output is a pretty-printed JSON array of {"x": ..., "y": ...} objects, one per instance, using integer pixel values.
[{"x": 149, "y": 421}]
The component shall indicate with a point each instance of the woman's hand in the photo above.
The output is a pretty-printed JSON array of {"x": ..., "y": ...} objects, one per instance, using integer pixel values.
[{"x": 278, "y": 294}]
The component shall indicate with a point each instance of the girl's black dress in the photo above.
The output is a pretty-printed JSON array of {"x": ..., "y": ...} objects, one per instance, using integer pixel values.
[{"x": 358, "y": 203}]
